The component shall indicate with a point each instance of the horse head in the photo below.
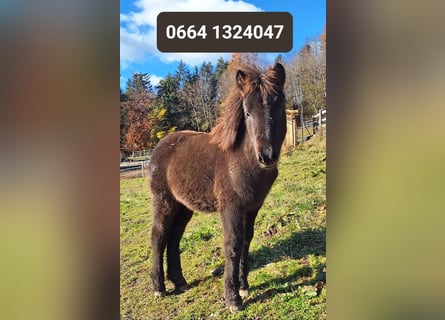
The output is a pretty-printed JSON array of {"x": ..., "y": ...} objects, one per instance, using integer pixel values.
[{"x": 265, "y": 120}]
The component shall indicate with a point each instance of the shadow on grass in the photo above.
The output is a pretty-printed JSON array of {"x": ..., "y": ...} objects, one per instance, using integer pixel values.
[
  {"x": 194, "y": 283},
  {"x": 296, "y": 246},
  {"x": 278, "y": 286}
]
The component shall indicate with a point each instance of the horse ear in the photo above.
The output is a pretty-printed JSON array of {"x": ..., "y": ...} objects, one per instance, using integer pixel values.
[
  {"x": 280, "y": 73},
  {"x": 240, "y": 79}
]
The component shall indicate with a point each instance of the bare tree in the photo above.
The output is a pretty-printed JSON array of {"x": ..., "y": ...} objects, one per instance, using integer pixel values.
[
  {"x": 201, "y": 97},
  {"x": 306, "y": 77}
]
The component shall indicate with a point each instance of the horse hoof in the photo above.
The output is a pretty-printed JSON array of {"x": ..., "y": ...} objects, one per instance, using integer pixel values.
[
  {"x": 158, "y": 293},
  {"x": 217, "y": 271},
  {"x": 234, "y": 309},
  {"x": 244, "y": 293},
  {"x": 182, "y": 288}
]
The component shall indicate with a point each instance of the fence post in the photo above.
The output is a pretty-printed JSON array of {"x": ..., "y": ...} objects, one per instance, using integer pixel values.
[
  {"x": 320, "y": 123},
  {"x": 143, "y": 169},
  {"x": 302, "y": 123}
]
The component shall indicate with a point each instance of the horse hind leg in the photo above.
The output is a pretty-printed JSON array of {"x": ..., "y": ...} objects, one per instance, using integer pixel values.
[
  {"x": 174, "y": 271},
  {"x": 164, "y": 211}
]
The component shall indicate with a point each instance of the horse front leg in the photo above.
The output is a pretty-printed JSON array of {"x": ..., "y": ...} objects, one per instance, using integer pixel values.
[
  {"x": 249, "y": 220},
  {"x": 233, "y": 229}
]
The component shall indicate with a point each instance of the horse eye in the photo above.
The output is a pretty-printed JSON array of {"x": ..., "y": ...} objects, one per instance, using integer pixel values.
[{"x": 247, "y": 114}]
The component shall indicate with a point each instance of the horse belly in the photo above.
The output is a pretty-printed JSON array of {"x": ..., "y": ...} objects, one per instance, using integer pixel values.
[{"x": 193, "y": 188}]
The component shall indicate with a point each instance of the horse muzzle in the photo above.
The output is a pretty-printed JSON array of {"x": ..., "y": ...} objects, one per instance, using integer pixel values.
[{"x": 268, "y": 159}]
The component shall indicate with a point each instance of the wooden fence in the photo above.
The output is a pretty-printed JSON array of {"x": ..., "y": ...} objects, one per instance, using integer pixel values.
[{"x": 299, "y": 130}]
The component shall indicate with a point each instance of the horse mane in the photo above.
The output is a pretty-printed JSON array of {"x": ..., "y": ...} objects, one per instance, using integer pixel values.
[{"x": 227, "y": 128}]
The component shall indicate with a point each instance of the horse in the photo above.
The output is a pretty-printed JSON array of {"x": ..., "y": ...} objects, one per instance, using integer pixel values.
[{"x": 229, "y": 170}]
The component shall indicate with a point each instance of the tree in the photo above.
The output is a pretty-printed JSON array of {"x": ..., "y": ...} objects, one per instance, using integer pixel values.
[
  {"x": 323, "y": 64},
  {"x": 190, "y": 99},
  {"x": 306, "y": 77},
  {"x": 137, "y": 113},
  {"x": 240, "y": 58},
  {"x": 182, "y": 75},
  {"x": 140, "y": 120},
  {"x": 139, "y": 84},
  {"x": 123, "y": 96},
  {"x": 221, "y": 66},
  {"x": 201, "y": 98},
  {"x": 123, "y": 123},
  {"x": 168, "y": 98}
]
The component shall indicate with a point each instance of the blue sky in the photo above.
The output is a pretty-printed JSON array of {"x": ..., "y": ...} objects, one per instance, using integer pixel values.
[{"x": 138, "y": 31}]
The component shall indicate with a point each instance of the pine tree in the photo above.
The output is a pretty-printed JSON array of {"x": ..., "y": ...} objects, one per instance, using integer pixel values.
[{"x": 138, "y": 84}]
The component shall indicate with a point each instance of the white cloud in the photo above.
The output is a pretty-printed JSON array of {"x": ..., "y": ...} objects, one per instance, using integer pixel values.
[
  {"x": 154, "y": 79},
  {"x": 138, "y": 29}
]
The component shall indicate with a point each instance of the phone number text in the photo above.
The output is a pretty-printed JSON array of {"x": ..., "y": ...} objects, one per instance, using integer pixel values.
[{"x": 227, "y": 32}]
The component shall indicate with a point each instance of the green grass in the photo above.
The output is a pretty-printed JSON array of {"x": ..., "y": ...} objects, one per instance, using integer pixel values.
[{"x": 287, "y": 255}]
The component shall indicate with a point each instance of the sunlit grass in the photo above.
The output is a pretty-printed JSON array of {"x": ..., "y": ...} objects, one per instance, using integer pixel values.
[{"x": 288, "y": 252}]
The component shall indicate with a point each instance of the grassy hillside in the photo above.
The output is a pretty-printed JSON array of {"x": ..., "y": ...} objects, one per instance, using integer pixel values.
[{"x": 288, "y": 251}]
